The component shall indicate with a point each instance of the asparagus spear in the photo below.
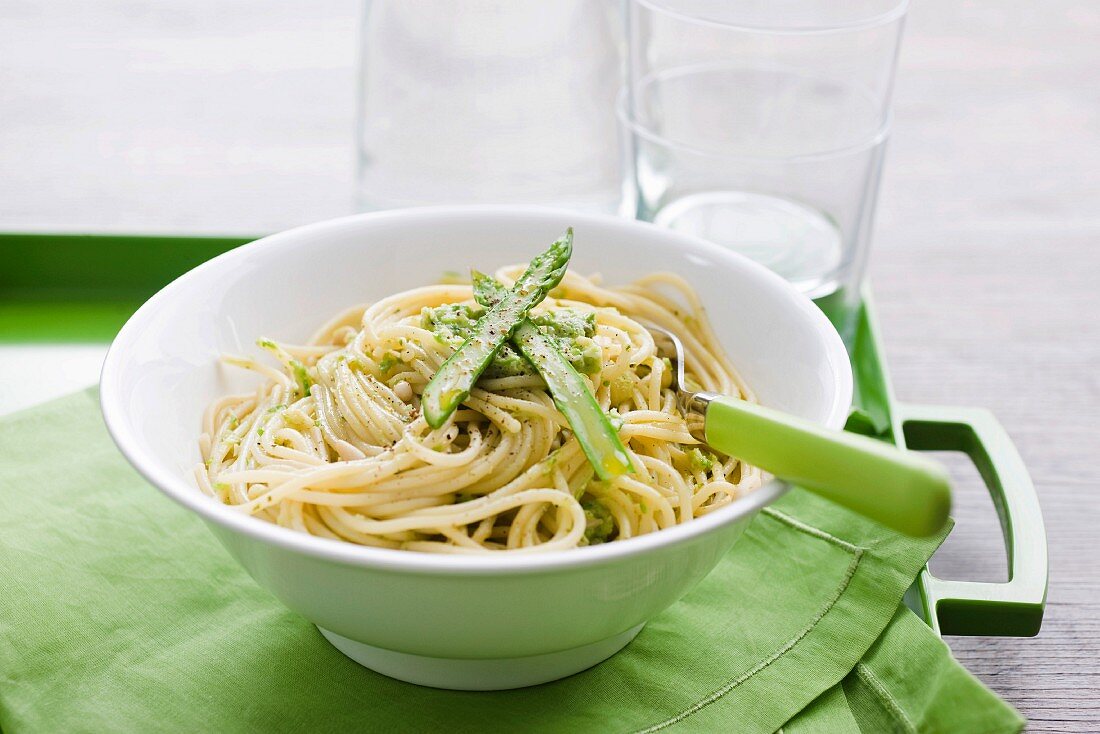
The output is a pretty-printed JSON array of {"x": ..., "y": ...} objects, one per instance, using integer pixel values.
[
  {"x": 452, "y": 383},
  {"x": 598, "y": 439}
]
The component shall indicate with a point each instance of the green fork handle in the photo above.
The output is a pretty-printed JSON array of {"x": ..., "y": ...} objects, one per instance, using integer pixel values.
[
  {"x": 1008, "y": 609},
  {"x": 900, "y": 489}
]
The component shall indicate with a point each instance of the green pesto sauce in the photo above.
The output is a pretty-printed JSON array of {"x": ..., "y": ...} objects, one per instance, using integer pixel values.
[
  {"x": 569, "y": 329},
  {"x": 701, "y": 461},
  {"x": 389, "y": 361},
  {"x": 601, "y": 525}
]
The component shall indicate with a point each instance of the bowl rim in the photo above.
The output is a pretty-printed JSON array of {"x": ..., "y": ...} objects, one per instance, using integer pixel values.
[{"x": 395, "y": 560}]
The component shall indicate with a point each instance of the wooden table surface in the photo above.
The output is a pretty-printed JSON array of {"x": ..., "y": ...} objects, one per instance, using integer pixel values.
[{"x": 235, "y": 117}]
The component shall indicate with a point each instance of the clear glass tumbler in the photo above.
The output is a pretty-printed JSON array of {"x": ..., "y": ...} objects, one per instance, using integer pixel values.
[
  {"x": 761, "y": 126},
  {"x": 489, "y": 101}
]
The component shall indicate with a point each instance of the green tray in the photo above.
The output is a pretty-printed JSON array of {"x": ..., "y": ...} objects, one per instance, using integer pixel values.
[{"x": 68, "y": 291}]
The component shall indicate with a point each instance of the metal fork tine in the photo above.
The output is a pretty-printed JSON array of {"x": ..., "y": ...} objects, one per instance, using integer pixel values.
[{"x": 669, "y": 345}]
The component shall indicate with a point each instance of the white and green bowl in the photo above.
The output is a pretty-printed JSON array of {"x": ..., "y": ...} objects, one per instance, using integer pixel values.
[{"x": 468, "y": 622}]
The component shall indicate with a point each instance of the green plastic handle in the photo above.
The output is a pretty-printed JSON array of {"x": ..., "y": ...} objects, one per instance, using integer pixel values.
[
  {"x": 1008, "y": 609},
  {"x": 900, "y": 489}
]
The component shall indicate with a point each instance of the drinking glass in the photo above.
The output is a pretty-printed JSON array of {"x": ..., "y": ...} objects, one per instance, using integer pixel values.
[
  {"x": 761, "y": 125},
  {"x": 489, "y": 101}
]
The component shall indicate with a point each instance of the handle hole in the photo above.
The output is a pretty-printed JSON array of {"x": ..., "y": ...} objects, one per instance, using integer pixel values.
[{"x": 974, "y": 551}]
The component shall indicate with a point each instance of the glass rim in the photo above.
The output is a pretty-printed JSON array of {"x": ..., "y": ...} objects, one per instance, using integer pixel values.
[
  {"x": 871, "y": 21},
  {"x": 627, "y": 118}
]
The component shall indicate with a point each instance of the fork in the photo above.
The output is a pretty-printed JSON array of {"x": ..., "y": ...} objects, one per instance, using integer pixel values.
[{"x": 900, "y": 489}]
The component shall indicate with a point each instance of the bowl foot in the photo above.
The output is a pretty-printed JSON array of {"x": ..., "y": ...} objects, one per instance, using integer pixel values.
[{"x": 480, "y": 675}]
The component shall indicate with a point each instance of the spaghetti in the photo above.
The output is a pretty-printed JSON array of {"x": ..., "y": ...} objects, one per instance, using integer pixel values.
[{"x": 333, "y": 443}]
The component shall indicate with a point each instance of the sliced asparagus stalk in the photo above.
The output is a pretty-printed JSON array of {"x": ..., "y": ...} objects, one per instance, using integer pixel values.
[
  {"x": 452, "y": 383},
  {"x": 594, "y": 432}
]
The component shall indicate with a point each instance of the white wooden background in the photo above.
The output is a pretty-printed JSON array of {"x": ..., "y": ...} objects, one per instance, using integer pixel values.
[{"x": 202, "y": 115}]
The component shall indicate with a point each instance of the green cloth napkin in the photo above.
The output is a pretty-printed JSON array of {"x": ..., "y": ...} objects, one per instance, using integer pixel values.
[{"x": 120, "y": 612}]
